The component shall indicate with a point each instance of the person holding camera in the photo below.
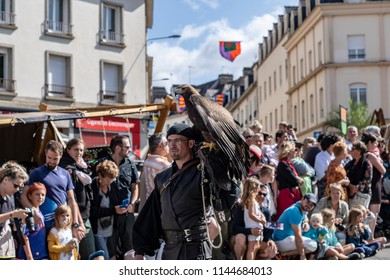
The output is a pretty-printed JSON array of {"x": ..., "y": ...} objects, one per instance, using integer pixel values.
[
  {"x": 35, "y": 233},
  {"x": 12, "y": 178}
]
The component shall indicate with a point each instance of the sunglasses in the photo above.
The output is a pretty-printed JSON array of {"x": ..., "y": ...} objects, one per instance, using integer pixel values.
[
  {"x": 16, "y": 186},
  {"x": 262, "y": 194}
]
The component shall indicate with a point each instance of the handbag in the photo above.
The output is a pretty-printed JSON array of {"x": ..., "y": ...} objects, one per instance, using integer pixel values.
[{"x": 359, "y": 199}]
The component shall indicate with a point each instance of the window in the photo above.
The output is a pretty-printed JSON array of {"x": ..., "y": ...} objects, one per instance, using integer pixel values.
[
  {"x": 256, "y": 105},
  {"x": 319, "y": 53},
  {"x": 58, "y": 81},
  {"x": 111, "y": 25},
  {"x": 270, "y": 85},
  {"x": 281, "y": 113},
  {"x": 276, "y": 118},
  {"x": 358, "y": 93},
  {"x": 266, "y": 124},
  {"x": 270, "y": 121},
  {"x": 322, "y": 109},
  {"x": 311, "y": 108},
  {"x": 6, "y": 82},
  {"x": 58, "y": 18},
  {"x": 294, "y": 78},
  {"x": 7, "y": 16},
  {"x": 265, "y": 91},
  {"x": 260, "y": 94},
  {"x": 111, "y": 83},
  {"x": 280, "y": 75},
  {"x": 286, "y": 68},
  {"x": 303, "y": 114},
  {"x": 275, "y": 80},
  {"x": 310, "y": 61},
  {"x": 302, "y": 69},
  {"x": 295, "y": 115},
  {"x": 356, "y": 49}
]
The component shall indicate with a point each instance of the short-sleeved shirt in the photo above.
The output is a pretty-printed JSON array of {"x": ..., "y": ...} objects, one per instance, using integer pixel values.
[
  {"x": 7, "y": 246},
  {"x": 290, "y": 216},
  {"x": 57, "y": 182}
]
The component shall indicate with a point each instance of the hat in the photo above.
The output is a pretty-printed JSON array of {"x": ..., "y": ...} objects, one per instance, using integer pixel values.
[
  {"x": 36, "y": 186},
  {"x": 99, "y": 253},
  {"x": 181, "y": 129},
  {"x": 256, "y": 150},
  {"x": 310, "y": 198}
]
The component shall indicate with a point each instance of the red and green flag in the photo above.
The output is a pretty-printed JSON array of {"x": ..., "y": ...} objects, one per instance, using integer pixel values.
[{"x": 230, "y": 50}]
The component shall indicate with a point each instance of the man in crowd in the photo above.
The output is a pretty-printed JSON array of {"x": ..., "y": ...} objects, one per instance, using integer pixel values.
[
  {"x": 290, "y": 240},
  {"x": 156, "y": 162},
  {"x": 125, "y": 188},
  {"x": 174, "y": 210},
  {"x": 59, "y": 189}
]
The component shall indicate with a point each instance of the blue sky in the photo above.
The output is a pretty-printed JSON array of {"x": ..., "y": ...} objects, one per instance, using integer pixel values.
[{"x": 202, "y": 24}]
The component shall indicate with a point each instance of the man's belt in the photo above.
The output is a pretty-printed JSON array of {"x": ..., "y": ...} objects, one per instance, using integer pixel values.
[{"x": 187, "y": 235}]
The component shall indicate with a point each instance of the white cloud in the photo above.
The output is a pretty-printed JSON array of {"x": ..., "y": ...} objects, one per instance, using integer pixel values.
[
  {"x": 199, "y": 47},
  {"x": 195, "y": 4}
]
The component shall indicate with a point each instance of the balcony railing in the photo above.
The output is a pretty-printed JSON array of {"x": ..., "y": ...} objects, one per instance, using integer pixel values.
[
  {"x": 7, "y": 18},
  {"x": 58, "y": 27},
  {"x": 58, "y": 91},
  {"x": 111, "y": 37},
  {"x": 112, "y": 97},
  {"x": 7, "y": 85}
]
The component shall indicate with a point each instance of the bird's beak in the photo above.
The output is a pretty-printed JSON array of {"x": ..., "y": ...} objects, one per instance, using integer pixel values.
[{"x": 178, "y": 91}]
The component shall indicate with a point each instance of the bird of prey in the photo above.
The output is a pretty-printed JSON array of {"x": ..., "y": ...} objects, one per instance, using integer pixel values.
[{"x": 219, "y": 129}]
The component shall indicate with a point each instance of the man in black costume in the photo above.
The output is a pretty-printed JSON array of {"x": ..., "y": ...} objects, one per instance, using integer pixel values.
[{"x": 174, "y": 211}]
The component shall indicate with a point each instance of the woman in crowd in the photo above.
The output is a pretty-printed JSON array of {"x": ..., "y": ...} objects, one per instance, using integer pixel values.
[
  {"x": 12, "y": 178},
  {"x": 359, "y": 172},
  {"x": 334, "y": 201},
  {"x": 378, "y": 170},
  {"x": 287, "y": 179},
  {"x": 335, "y": 172},
  {"x": 72, "y": 160},
  {"x": 102, "y": 210}
]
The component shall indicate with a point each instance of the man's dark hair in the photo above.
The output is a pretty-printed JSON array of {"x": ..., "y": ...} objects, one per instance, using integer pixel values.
[
  {"x": 117, "y": 140},
  {"x": 54, "y": 146},
  {"x": 279, "y": 134},
  {"x": 328, "y": 141},
  {"x": 154, "y": 141}
]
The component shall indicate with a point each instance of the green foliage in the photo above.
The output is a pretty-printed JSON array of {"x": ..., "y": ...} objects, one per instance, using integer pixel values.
[{"x": 357, "y": 115}]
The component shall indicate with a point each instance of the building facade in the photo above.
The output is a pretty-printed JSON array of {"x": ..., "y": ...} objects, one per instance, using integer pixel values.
[
  {"x": 319, "y": 55},
  {"x": 73, "y": 53}
]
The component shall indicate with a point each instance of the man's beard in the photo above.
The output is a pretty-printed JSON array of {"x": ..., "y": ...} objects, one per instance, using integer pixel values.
[{"x": 51, "y": 167}]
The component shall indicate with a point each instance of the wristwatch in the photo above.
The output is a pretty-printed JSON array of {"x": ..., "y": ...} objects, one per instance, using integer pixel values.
[{"x": 75, "y": 225}]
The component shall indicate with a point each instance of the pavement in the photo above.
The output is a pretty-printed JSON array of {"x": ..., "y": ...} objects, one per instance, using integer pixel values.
[{"x": 383, "y": 254}]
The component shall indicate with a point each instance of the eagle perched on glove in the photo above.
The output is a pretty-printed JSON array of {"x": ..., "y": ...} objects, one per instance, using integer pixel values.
[{"x": 218, "y": 128}]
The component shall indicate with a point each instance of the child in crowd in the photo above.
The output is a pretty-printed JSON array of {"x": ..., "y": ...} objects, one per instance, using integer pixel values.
[
  {"x": 60, "y": 242},
  {"x": 37, "y": 248},
  {"x": 267, "y": 177},
  {"x": 368, "y": 217},
  {"x": 358, "y": 234},
  {"x": 331, "y": 247},
  {"x": 316, "y": 231},
  {"x": 253, "y": 217}
]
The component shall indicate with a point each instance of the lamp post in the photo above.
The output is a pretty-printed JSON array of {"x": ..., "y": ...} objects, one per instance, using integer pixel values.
[{"x": 165, "y": 37}]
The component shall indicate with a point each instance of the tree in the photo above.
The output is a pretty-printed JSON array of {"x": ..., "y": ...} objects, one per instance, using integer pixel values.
[{"x": 357, "y": 115}]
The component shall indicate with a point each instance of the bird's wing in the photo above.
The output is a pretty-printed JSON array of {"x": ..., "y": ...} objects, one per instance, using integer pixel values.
[{"x": 223, "y": 130}]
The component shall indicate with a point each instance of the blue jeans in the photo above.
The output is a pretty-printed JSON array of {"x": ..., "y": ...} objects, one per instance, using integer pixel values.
[{"x": 101, "y": 244}]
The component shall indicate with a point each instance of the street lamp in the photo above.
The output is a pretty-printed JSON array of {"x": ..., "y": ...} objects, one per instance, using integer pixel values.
[{"x": 165, "y": 37}]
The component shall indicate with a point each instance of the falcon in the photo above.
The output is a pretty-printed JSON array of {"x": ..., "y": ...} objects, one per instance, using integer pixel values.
[{"x": 219, "y": 129}]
